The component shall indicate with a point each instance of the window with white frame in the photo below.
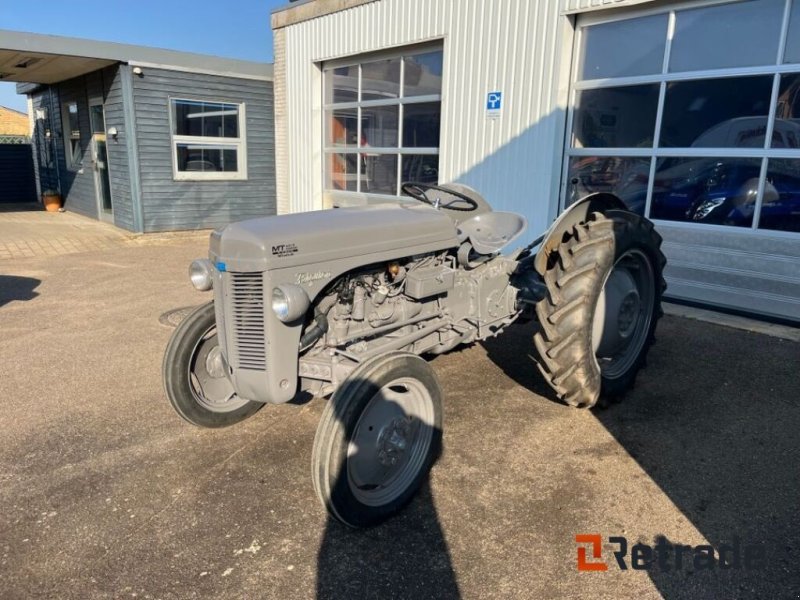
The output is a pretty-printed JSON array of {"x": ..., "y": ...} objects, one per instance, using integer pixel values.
[
  {"x": 208, "y": 140},
  {"x": 382, "y": 121},
  {"x": 692, "y": 114},
  {"x": 72, "y": 134}
]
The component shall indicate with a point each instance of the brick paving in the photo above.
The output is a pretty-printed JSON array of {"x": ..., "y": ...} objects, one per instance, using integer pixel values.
[{"x": 27, "y": 231}]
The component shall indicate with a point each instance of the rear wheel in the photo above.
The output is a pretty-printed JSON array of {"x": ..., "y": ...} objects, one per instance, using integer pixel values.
[
  {"x": 194, "y": 374},
  {"x": 378, "y": 438},
  {"x": 598, "y": 320}
]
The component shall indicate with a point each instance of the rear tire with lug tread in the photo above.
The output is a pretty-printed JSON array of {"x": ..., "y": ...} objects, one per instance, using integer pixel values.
[
  {"x": 604, "y": 288},
  {"x": 194, "y": 378},
  {"x": 378, "y": 437}
]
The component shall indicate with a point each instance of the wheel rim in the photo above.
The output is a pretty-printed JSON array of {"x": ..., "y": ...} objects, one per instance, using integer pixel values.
[
  {"x": 390, "y": 442},
  {"x": 208, "y": 381},
  {"x": 624, "y": 314}
]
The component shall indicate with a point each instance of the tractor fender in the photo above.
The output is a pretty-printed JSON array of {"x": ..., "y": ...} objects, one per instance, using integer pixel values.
[{"x": 577, "y": 213}]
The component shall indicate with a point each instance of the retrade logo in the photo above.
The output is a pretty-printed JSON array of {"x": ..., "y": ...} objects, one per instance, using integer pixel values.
[
  {"x": 595, "y": 540},
  {"x": 666, "y": 556}
]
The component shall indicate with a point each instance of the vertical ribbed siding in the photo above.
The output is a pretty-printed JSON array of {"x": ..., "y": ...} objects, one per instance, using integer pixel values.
[
  {"x": 515, "y": 46},
  {"x": 281, "y": 179}
]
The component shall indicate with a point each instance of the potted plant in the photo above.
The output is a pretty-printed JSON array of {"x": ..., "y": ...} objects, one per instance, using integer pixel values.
[{"x": 51, "y": 200}]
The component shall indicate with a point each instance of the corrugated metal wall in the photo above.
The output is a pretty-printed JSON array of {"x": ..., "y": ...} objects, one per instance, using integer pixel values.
[
  {"x": 173, "y": 205},
  {"x": 520, "y": 47},
  {"x": 514, "y": 46},
  {"x": 754, "y": 272}
]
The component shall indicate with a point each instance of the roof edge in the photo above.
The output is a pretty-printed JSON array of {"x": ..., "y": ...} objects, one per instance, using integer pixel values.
[
  {"x": 126, "y": 53},
  {"x": 305, "y": 10},
  {"x": 14, "y": 110},
  {"x": 201, "y": 71}
]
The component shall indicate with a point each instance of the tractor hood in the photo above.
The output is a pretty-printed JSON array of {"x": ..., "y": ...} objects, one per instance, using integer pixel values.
[{"x": 381, "y": 231}]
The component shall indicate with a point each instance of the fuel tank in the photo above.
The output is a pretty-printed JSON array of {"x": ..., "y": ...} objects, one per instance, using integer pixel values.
[{"x": 388, "y": 231}]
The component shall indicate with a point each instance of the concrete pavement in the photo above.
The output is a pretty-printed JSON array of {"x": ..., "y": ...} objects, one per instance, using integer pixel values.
[
  {"x": 106, "y": 493},
  {"x": 27, "y": 231}
]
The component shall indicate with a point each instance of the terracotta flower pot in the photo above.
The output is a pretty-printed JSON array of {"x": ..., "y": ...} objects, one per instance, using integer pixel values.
[{"x": 52, "y": 201}]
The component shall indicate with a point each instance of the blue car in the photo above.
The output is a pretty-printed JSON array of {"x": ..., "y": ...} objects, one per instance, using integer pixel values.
[{"x": 724, "y": 192}]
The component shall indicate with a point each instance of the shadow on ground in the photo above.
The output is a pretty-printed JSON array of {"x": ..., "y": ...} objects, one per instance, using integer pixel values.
[
  {"x": 377, "y": 433},
  {"x": 714, "y": 421},
  {"x": 406, "y": 557},
  {"x": 14, "y": 207},
  {"x": 13, "y": 288}
]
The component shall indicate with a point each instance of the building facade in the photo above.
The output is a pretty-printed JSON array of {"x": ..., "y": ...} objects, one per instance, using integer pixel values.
[
  {"x": 147, "y": 139},
  {"x": 683, "y": 109}
]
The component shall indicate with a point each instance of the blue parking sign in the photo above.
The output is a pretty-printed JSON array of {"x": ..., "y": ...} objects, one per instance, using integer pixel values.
[{"x": 494, "y": 101}]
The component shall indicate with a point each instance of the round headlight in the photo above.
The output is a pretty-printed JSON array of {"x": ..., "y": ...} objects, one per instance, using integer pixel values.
[
  {"x": 280, "y": 304},
  {"x": 201, "y": 273},
  {"x": 289, "y": 302}
]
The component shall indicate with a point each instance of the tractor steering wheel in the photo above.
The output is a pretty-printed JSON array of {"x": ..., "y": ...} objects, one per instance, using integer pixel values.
[{"x": 417, "y": 191}]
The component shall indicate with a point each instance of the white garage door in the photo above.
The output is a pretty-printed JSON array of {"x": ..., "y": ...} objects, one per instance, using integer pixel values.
[{"x": 692, "y": 116}]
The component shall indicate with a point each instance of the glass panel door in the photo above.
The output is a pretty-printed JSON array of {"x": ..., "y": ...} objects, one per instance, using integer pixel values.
[{"x": 100, "y": 160}]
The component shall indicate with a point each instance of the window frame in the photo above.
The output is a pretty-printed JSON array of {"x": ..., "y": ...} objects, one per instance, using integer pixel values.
[
  {"x": 72, "y": 158},
  {"x": 239, "y": 144},
  {"x": 400, "y": 101},
  {"x": 776, "y": 69}
]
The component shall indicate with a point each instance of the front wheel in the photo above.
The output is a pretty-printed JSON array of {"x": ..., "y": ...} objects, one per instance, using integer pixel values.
[
  {"x": 194, "y": 374},
  {"x": 604, "y": 288},
  {"x": 378, "y": 438}
]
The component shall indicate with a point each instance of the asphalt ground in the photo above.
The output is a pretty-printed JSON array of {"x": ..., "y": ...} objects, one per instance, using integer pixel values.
[{"x": 106, "y": 493}]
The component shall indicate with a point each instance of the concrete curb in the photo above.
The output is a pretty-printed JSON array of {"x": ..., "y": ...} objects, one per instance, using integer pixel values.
[{"x": 736, "y": 322}]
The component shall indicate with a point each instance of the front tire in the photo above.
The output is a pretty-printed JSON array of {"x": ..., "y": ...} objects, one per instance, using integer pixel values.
[
  {"x": 598, "y": 320},
  {"x": 194, "y": 375},
  {"x": 378, "y": 438}
]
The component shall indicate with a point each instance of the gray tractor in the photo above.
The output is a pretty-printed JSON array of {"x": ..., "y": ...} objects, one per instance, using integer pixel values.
[{"x": 345, "y": 304}]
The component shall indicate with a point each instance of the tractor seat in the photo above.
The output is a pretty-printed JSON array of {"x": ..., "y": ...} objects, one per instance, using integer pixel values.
[{"x": 491, "y": 232}]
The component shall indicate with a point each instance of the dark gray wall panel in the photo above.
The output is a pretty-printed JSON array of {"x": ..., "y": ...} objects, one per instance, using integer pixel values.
[
  {"x": 77, "y": 181},
  {"x": 17, "y": 179},
  {"x": 49, "y": 154},
  {"x": 48, "y": 150},
  {"x": 44, "y": 165},
  {"x": 174, "y": 205},
  {"x": 118, "y": 160}
]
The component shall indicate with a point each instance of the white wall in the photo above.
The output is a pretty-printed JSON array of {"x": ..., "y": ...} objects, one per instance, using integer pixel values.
[{"x": 520, "y": 47}]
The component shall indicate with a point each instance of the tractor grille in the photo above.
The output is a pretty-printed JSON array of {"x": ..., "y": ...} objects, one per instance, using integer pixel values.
[{"x": 247, "y": 320}]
